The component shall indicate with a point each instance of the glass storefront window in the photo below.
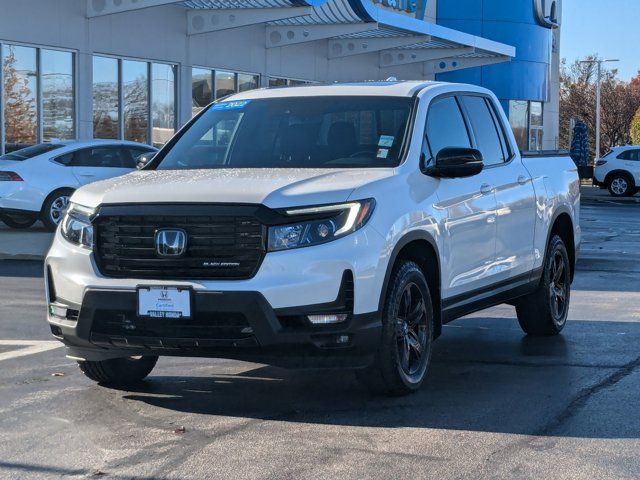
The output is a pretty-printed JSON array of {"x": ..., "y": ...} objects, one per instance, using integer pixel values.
[
  {"x": 247, "y": 82},
  {"x": 536, "y": 114},
  {"x": 135, "y": 99},
  {"x": 106, "y": 103},
  {"x": 225, "y": 84},
  {"x": 19, "y": 70},
  {"x": 201, "y": 89},
  {"x": 209, "y": 85},
  {"x": 163, "y": 94},
  {"x": 277, "y": 82},
  {"x": 142, "y": 111},
  {"x": 526, "y": 120},
  {"x": 57, "y": 95},
  {"x": 518, "y": 119}
]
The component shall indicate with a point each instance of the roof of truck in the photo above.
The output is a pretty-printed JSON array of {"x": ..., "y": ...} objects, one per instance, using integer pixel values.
[{"x": 386, "y": 88}]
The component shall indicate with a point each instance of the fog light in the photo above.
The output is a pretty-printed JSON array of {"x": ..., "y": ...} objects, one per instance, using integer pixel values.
[
  {"x": 341, "y": 339},
  {"x": 327, "y": 319},
  {"x": 57, "y": 311}
]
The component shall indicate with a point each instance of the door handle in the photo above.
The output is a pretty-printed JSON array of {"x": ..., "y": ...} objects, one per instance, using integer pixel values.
[
  {"x": 88, "y": 175},
  {"x": 486, "y": 189},
  {"x": 522, "y": 180}
]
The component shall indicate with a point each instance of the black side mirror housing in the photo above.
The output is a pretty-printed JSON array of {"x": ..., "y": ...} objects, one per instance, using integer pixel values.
[{"x": 455, "y": 162}]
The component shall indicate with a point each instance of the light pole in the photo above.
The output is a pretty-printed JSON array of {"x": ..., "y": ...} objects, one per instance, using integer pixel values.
[{"x": 598, "y": 99}]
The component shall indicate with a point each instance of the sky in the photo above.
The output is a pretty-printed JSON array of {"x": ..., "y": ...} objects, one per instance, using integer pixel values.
[{"x": 610, "y": 28}]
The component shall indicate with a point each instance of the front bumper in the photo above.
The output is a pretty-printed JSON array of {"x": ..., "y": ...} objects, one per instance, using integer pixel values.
[
  {"x": 240, "y": 325},
  {"x": 269, "y": 307}
]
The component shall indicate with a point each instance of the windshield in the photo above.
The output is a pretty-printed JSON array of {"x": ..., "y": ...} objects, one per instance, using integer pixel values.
[
  {"x": 30, "y": 152},
  {"x": 294, "y": 132}
]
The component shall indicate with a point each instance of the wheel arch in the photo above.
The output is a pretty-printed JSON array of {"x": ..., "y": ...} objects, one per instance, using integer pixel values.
[
  {"x": 620, "y": 171},
  {"x": 53, "y": 192},
  {"x": 420, "y": 247},
  {"x": 562, "y": 226}
]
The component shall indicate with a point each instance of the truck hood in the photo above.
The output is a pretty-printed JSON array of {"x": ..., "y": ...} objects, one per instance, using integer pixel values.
[{"x": 275, "y": 188}]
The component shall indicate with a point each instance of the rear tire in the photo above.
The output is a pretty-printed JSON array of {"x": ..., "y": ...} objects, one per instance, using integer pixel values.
[
  {"x": 119, "y": 371},
  {"x": 54, "y": 207},
  {"x": 404, "y": 353},
  {"x": 545, "y": 311},
  {"x": 18, "y": 222},
  {"x": 621, "y": 185}
]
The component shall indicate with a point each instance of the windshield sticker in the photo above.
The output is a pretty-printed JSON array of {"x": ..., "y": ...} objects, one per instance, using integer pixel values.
[
  {"x": 236, "y": 105},
  {"x": 386, "y": 141},
  {"x": 382, "y": 153}
]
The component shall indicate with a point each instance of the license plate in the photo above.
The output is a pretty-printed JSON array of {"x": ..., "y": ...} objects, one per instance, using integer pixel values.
[{"x": 164, "y": 302}]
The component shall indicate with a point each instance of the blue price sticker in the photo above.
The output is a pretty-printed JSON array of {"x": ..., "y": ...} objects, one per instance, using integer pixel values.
[{"x": 235, "y": 105}]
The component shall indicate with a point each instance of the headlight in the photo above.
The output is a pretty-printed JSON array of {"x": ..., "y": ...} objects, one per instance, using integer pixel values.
[
  {"x": 76, "y": 225},
  {"x": 331, "y": 223}
]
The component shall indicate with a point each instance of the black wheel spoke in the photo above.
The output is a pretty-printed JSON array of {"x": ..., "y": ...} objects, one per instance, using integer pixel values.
[
  {"x": 416, "y": 313},
  {"x": 414, "y": 343}
]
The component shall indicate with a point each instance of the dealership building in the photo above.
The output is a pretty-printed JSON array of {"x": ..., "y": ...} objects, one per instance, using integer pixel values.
[{"x": 139, "y": 69}]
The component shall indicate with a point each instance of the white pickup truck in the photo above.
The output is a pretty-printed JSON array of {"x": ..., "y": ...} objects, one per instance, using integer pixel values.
[{"x": 340, "y": 224}]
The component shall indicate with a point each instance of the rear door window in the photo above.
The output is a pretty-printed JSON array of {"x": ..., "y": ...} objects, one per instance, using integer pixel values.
[
  {"x": 102, "y": 157},
  {"x": 484, "y": 129}
]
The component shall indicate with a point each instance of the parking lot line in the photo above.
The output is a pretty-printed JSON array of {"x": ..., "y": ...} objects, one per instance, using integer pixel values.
[{"x": 30, "y": 347}]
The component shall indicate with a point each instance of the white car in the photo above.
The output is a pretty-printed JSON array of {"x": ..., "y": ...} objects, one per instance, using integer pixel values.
[
  {"x": 36, "y": 182},
  {"x": 338, "y": 224},
  {"x": 619, "y": 171}
]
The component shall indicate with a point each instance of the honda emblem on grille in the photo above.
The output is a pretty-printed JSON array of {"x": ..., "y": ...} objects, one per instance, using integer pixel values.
[{"x": 171, "y": 242}]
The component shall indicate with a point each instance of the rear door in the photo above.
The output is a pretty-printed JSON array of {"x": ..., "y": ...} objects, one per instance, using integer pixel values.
[
  {"x": 512, "y": 186},
  {"x": 468, "y": 206},
  {"x": 101, "y": 162}
]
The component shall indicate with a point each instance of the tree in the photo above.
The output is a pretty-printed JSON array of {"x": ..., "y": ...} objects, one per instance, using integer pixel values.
[
  {"x": 620, "y": 101},
  {"x": 635, "y": 128},
  {"x": 20, "y": 113}
]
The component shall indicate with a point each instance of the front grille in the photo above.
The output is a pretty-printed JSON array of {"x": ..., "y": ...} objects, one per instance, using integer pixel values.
[{"x": 218, "y": 246}]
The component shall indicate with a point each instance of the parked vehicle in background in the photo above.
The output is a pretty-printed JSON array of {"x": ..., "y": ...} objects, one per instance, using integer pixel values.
[
  {"x": 36, "y": 182},
  {"x": 342, "y": 224},
  {"x": 619, "y": 171}
]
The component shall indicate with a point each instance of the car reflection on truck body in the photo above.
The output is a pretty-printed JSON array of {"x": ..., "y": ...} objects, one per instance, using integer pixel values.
[{"x": 336, "y": 225}]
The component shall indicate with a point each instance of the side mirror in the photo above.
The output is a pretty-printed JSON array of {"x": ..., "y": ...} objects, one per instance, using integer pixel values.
[
  {"x": 144, "y": 159},
  {"x": 454, "y": 162}
]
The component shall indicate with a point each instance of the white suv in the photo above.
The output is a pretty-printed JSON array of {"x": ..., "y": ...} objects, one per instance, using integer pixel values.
[
  {"x": 340, "y": 225},
  {"x": 619, "y": 171}
]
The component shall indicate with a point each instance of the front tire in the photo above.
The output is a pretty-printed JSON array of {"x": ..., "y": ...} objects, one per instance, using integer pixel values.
[
  {"x": 545, "y": 311},
  {"x": 18, "y": 222},
  {"x": 119, "y": 371},
  {"x": 621, "y": 185},
  {"x": 404, "y": 353}
]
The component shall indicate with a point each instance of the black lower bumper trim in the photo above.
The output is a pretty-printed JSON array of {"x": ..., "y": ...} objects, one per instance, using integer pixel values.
[{"x": 238, "y": 325}]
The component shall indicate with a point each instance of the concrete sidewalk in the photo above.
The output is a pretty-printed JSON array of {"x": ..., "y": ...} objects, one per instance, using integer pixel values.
[{"x": 29, "y": 244}]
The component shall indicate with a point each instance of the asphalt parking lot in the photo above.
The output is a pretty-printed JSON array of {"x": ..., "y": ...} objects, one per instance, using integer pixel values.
[{"x": 497, "y": 404}]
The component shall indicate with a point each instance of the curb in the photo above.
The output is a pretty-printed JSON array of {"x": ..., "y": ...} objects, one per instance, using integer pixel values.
[{"x": 21, "y": 256}]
